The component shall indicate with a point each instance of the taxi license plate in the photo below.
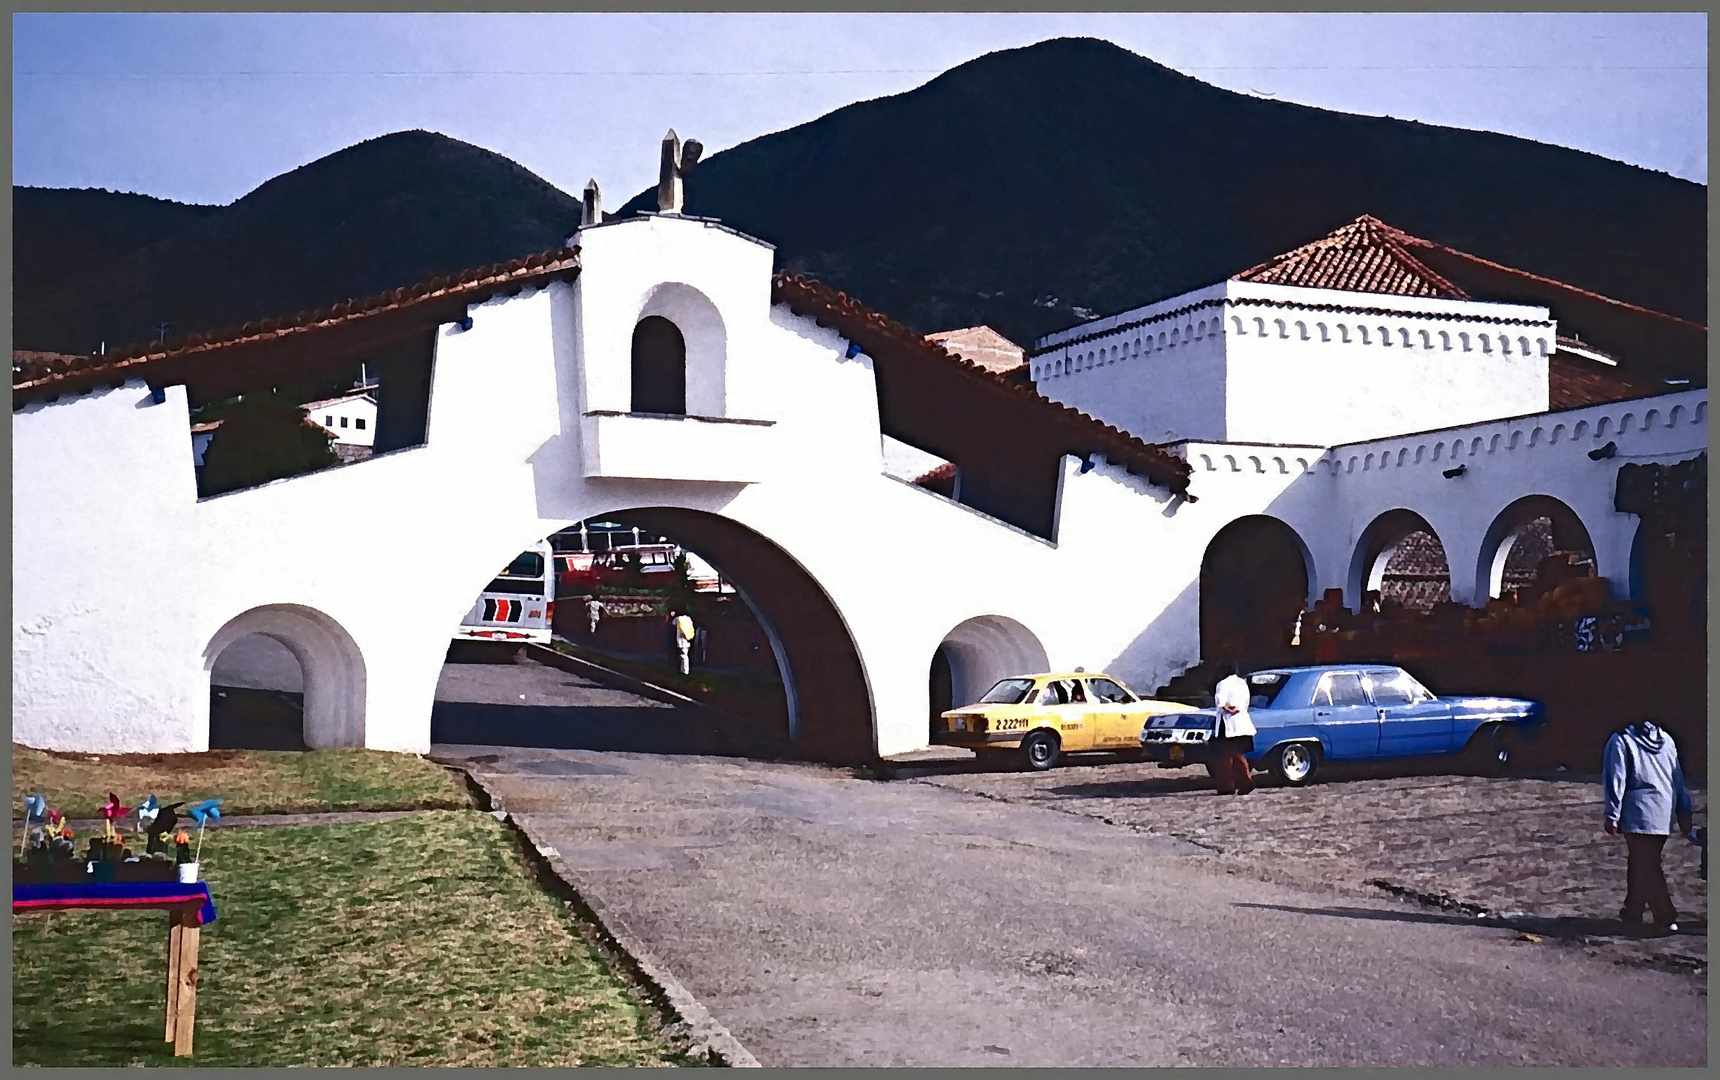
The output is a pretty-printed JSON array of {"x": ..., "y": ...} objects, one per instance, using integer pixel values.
[{"x": 1176, "y": 752}]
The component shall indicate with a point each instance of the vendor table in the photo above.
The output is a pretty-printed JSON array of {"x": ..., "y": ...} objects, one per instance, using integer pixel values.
[{"x": 188, "y": 906}]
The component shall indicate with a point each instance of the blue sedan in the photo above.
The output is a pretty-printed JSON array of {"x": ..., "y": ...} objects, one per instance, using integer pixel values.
[{"x": 1356, "y": 712}]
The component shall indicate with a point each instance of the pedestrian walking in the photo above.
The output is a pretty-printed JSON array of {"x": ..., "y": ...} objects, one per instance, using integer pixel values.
[
  {"x": 682, "y": 632},
  {"x": 1232, "y": 735},
  {"x": 1643, "y": 788},
  {"x": 593, "y": 611}
]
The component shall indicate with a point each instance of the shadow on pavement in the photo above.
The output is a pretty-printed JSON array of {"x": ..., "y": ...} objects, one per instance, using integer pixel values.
[
  {"x": 1561, "y": 927},
  {"x": 241, "y": 719},
  {"x": 631, "y": 729}
]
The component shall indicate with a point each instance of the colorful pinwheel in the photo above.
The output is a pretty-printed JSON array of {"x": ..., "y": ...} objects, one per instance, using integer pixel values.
[
  {"x": 146, "y": 812},
  {"x": 35, "y": 810},
  {"x": 204, "y": 813},
  {"x": 112, "y": 811}
]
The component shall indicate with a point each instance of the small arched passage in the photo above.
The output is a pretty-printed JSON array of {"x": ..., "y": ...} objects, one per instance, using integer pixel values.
[
  {"x": 1530, "y": 544},
  {"x": 829, "y": 700},
  {"x": 1399, "y": 556},
  {"x": 976, "y": 654},
  {"x": 330, "y": 664},
  {"x": 659, "y": 367},
  {"x": 1254, "y": 581}
]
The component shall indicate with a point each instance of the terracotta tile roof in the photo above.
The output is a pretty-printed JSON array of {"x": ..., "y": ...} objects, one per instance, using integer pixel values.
[
  {"x": 281, "y": 343},
  {"x": 946, "y": 471},
  {"x": 880, "y": 335},
  {"x": 983, "y": 346},
  {"x": 1367, "y": 255},
  {"x": 1573, "y": 382}
]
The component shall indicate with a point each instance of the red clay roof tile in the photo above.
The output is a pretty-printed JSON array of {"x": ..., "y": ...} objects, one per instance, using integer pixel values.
[{"x": 878, "y": 335}]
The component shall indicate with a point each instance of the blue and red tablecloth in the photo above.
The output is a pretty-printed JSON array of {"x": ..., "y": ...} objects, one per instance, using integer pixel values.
[{"x": 115, "y": 894}]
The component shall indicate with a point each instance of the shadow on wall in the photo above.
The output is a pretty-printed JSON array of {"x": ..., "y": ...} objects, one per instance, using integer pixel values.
[{"x": 830, "y": 703}]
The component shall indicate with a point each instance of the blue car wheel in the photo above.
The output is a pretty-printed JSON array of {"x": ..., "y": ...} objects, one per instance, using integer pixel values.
[
  {"x": 1295, "y": 763},
  {"x": 1492, "y": 748}
]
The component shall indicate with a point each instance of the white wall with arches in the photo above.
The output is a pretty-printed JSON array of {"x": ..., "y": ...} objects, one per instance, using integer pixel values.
[{"x": 112, "y": 651}]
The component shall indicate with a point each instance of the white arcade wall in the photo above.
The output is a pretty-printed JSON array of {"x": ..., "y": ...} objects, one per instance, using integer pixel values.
[{"x": 113, "y": 642}]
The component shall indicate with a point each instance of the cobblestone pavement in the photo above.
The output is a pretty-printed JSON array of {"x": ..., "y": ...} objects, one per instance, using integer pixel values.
[{"x": 1530, "y": 851}]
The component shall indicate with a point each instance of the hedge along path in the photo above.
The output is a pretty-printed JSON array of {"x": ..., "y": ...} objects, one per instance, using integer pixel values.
[{"x": 417, "y": 940}]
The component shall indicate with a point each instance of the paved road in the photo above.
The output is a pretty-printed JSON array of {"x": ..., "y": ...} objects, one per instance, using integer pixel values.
[{"x": 831, "y": 920}]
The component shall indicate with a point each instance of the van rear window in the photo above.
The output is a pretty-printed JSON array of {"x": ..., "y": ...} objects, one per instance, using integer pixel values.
[{"x": 1265, "y": 686}]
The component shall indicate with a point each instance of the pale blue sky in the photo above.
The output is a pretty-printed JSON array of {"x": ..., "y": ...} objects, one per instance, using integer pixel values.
[{"x": 203, "y": 108}]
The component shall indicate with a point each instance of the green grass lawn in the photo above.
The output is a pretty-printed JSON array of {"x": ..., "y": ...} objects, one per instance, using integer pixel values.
[
  {"x": 418, "y": 941},
  {"x": 246, "y": 781}
]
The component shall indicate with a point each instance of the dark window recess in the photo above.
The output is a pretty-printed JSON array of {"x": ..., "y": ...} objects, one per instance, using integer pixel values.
[
  {"x": 659, "y": 367},
  {"x": 528, "y": 564},
  {"x": 358, "y": 422},
  {"x": 343, "y": 421},
  {"x": 516, "y": 586}
]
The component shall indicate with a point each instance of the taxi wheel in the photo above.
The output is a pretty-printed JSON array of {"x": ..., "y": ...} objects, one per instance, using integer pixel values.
[
  {"x": 1040, "y": 750},
  {"x": 1295, "y": 764}
]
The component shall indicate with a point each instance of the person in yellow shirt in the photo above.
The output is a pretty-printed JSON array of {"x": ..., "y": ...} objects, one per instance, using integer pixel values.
[{"x": 681, "y": 630}]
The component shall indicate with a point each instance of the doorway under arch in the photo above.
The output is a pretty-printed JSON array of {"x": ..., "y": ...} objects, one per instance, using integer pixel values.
[
  {"x": 330, "y": 672},
  {"x": 1254, "y": 583},
  {"x": 975, "y": 655},
  {"x": 1531, "y": 545},
  {"x": 1400, "y": 556}
]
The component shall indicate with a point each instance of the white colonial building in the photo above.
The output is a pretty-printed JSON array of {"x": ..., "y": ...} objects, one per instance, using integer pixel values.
[{"x": 655, "y": 373}]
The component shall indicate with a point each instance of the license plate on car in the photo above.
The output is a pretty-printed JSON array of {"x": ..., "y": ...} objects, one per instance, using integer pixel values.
[{"x": 1176, "y": 753}]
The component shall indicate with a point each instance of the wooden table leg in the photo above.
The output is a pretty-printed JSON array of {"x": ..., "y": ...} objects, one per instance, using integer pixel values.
[
  {"x": 175, "y": 935},
  {"x": 185, "y": 1022}
]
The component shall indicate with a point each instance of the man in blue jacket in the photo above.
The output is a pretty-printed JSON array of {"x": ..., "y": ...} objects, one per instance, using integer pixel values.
[{"x": 1644, "y": 791}]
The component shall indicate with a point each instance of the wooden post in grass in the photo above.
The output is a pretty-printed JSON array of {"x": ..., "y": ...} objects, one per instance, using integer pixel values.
[{"x": 182, "y": 940}]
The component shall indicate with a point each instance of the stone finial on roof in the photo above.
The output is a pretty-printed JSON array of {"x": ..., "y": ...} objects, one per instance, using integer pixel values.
[
  {"x": 677, "y": 161},
  {"x": 592, "y": 211}
]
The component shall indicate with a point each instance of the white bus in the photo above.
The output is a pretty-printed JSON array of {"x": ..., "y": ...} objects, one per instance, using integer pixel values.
[{"x": 519, "y": 605}]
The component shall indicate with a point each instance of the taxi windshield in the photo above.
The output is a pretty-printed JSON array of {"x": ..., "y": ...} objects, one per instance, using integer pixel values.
[{"x": 1007, "y": 692}]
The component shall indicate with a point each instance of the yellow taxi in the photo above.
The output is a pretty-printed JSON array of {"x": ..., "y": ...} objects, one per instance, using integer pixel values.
[{"x": 1042, "y": 717}]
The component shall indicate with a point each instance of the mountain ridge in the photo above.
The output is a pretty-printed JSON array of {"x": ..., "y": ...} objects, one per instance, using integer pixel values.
[{"x": 1028, "y": 190}]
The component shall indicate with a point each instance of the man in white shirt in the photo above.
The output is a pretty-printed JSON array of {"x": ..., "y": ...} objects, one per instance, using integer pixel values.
[
  {"x": 593, "y": 611},
  {"x": 1233, "y": 734}
]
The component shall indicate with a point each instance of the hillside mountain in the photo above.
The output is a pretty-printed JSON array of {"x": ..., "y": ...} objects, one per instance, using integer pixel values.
[
  {"x": 59, "y": 233},
  {"x": 1073, "y": 174},
  {"x": 1027, "y": 190},
  {"x": 387, "y": 212}
]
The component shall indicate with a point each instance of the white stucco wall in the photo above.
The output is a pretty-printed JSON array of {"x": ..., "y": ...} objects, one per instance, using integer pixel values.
[
  {"x": 1245, "y": 362},
  {"x": 113, "y": 651}
]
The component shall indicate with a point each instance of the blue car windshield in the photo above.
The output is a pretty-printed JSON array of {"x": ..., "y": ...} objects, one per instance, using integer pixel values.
[
  {"x": 1265, "y": 686},
  {"x": 1007, "y": 692}
]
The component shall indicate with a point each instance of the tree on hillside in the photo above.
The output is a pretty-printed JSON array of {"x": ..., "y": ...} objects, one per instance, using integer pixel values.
[{"x": 263, "y": 437}]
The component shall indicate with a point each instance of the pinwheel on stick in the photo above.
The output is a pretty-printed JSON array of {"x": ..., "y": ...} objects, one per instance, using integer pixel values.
[
  {"x": 147, "y": 809},
  {"x": 35, "y": 810},
  {"x": 204, "y": 813},
  {"x": 161, "y": 826},
  {"x": 112, "y": 811}
]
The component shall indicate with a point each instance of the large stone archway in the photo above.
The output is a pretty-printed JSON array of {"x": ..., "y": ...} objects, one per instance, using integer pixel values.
[
  {"x": 1537, "y": 524},
  {"x": 976, "y": 654},
  {"x": 331, "y": 665},
  {"x": 830, "y": 708},
  {"x": 1255, "y": 579},
  {"x": 1402, "y": 557}
]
